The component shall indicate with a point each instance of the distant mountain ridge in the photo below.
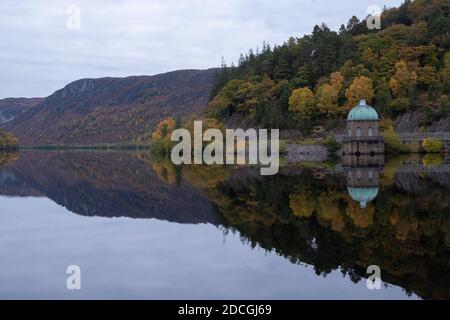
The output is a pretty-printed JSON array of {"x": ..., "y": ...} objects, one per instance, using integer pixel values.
[
  {"x": 11, "y": 108},
  {"x": 112, "y": 110}
]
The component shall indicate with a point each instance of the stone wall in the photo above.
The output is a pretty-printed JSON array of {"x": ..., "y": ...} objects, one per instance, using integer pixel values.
[
  {"x": 374, "y": 145},
  {"x": 299, "y": 153}
]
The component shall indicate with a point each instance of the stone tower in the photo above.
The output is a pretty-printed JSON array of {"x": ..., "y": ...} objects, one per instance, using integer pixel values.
[{"x": 362, "y": 135}]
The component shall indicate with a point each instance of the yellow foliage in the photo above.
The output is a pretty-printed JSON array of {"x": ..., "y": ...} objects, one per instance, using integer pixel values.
[
  {"x": 327, "y": 100},
  {"x": 433, "y": 145},
  {"x": 7, "y": 141},
  {"x": 362, "y": 218},
  {"x": 301, "y": 205},
  {"x": 361, "y": 88},
  {"x": 302, "y": 103},
  {"x": 7, "y": 158},
  {"x": 328, "y": 209},
  {"x": 204, "y": 176},
  {"x": 403, "y": 226},
  {"x": 393, "y": 84},
  {"x": 433, "y": 159},
  {"x": 337, "y": 81},
  {"x": 165, "y": 171},
  {"x": 164, "y": 129},
  {"x": 402, "y": 80},
  {"x": 392, "y": 141}
]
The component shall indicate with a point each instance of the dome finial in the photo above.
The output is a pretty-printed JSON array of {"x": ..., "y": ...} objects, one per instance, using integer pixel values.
[{"x": 362, "y": 102}]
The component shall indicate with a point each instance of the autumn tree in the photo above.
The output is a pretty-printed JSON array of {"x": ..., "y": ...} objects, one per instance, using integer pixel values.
[
  {"x": 164, "y": 129},
  {"x": 402, "y": 80},
  {"x": 337, "y": 81},
  {"x": 361, "y": 88},
  {"x": 302, "y": 104},
  {"x": 327, "y": 100},
  {"x": 7, "y": 141},
  {"x": 161, "y": 136}
]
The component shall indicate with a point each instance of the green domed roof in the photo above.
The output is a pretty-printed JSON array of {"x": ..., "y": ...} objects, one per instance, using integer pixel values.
[
  {"x": 363, "y": 195},
  {"x": 363, "y": 112}
]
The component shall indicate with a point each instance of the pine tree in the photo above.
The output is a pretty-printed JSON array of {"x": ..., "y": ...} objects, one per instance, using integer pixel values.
[{"x": 282, "y": 69}]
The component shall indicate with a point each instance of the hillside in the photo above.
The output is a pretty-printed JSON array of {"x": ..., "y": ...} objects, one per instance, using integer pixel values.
[
  {"x": 11, "y": 108},
  {"x": 112, "y": 110},
  {"x": 314, "y": 80}
]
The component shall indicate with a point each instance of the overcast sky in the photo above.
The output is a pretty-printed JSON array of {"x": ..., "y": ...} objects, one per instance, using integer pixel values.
[{"x": 39, "y": 53}]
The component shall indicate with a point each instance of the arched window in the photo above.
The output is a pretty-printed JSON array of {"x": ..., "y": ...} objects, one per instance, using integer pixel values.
[
  {"x": 358, "y": 132},
  {"x": 370, "y": 132},
  {"x": 349, "y": 132}
]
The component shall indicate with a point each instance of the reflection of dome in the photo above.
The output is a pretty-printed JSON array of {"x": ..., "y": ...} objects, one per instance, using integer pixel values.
[
  {"x": 363, "y": 195},
  {"x": 362, "y": 112}
]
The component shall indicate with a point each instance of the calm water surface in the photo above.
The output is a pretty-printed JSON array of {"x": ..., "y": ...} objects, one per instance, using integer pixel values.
[{"x": 141, "y": 228}]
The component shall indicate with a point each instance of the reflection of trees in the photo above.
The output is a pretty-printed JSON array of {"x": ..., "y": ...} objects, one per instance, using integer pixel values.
[
  {"x": 204, "y": 176},
  {"x": 8, "y": 158},
  {"x": 433, "y": 159},
  {"x": 311, "y": 219},
  {"x": 165, "y": 171}
]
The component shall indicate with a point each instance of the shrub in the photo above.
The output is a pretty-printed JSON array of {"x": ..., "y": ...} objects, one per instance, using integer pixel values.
[
  {"x": 392, "y": 141},
  {"x": 331, "y": 144},
  {"x": 385, "y": 123},
  {"x": 432, "y": 145}
]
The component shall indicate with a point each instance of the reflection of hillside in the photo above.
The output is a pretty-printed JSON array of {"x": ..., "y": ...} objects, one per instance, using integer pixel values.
[
  {"x": 310, "y": 218},
  {"x": 9, "y": 185},
  {"x": 105, "y": 184},
  {"x": 304, "y": 214}
]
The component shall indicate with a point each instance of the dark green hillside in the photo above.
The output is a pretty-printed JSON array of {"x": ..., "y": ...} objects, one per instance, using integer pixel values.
[{"x": 315, "y": 79}]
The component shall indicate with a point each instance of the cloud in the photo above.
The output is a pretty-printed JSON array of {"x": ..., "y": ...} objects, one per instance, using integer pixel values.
[{"x": 39, "y": 54}]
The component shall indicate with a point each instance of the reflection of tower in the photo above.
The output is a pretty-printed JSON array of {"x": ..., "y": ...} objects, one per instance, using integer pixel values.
[{"x": 363, "y": 175}]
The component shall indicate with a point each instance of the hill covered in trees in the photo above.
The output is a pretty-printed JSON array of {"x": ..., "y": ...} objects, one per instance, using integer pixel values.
[{"x": 316, "y": 79}]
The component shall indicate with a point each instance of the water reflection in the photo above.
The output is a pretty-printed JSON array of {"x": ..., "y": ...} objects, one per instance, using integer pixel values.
[
  {"x": 365, "y": 211},
  {"x": 363, "y": 173}
]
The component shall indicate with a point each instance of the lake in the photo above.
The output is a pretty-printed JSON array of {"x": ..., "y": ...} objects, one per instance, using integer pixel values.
[{"x": 141, "y": 228}]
